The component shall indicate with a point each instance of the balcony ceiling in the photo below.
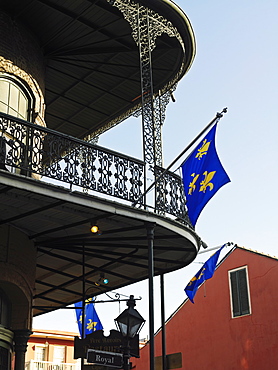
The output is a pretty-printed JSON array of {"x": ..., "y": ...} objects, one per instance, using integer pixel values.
[
  {"x": 58, "y": 222},
  {"x": 92, "y": 61}
]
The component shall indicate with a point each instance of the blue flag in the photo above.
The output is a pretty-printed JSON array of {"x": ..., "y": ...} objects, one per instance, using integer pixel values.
[
  {"x": 205, "y": 273},
  {"x": 92, "y": 321},
  {"x": 203, "y": 175}
]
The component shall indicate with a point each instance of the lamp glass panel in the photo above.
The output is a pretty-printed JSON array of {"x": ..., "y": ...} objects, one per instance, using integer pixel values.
[
  {"x": 133, "y": 330},
  {"x": 123, "y": 328}
]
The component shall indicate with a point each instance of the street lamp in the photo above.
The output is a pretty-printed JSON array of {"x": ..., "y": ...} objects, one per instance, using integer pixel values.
[{"x": 129, "y": 323}]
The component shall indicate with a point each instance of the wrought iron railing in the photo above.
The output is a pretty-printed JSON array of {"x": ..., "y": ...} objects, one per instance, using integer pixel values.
[
  {"x": 46, "y": 365},
  {"x": 170, "y": 195},
  {"x": 32, "y": 150}
]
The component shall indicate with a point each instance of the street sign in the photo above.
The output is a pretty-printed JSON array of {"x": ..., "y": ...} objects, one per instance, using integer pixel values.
[
  {"x": 110, "y": 359},
  {"x": 115, "y": 342}
]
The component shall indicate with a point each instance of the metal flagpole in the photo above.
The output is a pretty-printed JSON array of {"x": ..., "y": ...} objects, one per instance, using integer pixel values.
[
  {"x": 215, "y": 120},
  {"x": 213, "y": 248}
]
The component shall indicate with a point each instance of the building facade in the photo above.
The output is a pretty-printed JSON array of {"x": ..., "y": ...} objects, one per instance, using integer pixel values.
[
  {"x": 69, "y": 71},
  {"x": 233, "y": 322},
  {"x": 48, "y": 350}
]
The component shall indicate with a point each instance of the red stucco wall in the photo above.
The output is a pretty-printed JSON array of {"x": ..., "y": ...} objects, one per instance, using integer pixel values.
[{"x": 206, "y": 334}]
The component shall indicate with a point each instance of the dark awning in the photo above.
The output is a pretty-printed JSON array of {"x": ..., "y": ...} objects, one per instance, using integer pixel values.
[
  {"x": 92, "y": 61},
  {"x": 58, "y": 222}
]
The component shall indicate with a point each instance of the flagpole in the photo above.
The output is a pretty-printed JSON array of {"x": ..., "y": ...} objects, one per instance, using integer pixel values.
[
  {"x": 213, "y": 121},
  {"x": 219, "y": 246}
]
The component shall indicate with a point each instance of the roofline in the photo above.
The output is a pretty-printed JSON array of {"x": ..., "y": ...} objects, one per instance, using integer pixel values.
[
  {"x": 187, "y": 23},
  {"x": 170, "y": 10},
  {"x": 53, "y": 334},
  {"x": 254, "y": 251}
]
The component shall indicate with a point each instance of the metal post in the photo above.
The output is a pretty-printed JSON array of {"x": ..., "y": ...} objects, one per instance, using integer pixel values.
[
  {"x": 145, "y": 49},
  {"x": 150, "y": 237},
  {"x": 147, "y": 25},
  {"x": 163, "y": 332},
  {"x": 83, "y": 299},
  {"x": 126, "y": 358}
]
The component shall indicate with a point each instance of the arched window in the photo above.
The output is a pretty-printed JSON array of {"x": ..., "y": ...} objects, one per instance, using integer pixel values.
[{"x": 14, "y": 98}]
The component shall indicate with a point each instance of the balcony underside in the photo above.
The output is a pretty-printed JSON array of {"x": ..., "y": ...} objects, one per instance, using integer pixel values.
[
  {"x": 92, "y": 62},
  {"x": 58, "y": 221}
]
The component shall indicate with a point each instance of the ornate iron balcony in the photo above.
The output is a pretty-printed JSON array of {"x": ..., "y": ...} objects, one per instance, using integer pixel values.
[{"x": 31, "y": 150}]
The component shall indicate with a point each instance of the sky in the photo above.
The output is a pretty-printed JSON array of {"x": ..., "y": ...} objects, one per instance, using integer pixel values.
[{"x": 235, "y": 67}]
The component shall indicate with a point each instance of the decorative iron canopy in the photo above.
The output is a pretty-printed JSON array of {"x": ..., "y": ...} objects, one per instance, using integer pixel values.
[{"x": 92, "y": 60}]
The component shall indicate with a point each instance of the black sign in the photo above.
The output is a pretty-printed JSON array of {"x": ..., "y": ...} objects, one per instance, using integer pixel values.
[
  {"x": 115, "y": 343},
  {"x": 105, "y": 358}
]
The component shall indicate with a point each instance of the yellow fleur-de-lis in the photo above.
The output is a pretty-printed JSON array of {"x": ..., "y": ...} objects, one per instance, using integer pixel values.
[
  {"x": 192, "y": 185},
  {"x": 206, "y": 182},
  {"x": 199, "y": 277},
  {"x": 91, "y": 325},
  {"x": 203, "y": 149}
]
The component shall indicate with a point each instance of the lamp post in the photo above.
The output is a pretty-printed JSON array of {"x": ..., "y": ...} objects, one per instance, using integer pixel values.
[{"x": 129, "y": 323}]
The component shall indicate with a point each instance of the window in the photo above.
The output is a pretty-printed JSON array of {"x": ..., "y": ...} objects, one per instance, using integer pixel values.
[
  {"x": 240, "y": 300},
  {"x": 39, "y": 353},
  {"x": 39, "y": 357},
  {"x": 14, "y": 99},
  {"x": 59, "y": 354}
]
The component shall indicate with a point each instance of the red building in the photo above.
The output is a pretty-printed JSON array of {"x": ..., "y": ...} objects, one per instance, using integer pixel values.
[{"x": 234, "y": 322}]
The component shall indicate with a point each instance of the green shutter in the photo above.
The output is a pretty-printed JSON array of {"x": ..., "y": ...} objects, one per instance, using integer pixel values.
[
  {"x": 239, "y": 293},
  {"x": 243, "y": 292}
]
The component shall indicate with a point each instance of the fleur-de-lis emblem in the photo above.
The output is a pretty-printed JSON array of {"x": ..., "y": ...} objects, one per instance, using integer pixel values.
[
  {"x": 203, "y": 150},
  {"x": 195, "y": 278},
  {"x": 91, "y": 325},
  {"x": 207, "y": 181},
  {"x": 192, "y": 185}
]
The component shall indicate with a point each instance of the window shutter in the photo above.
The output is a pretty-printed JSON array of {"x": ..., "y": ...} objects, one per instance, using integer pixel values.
[
  {"x": 235, "y": 297},
  {"x": 243, "y": 291},
  {"x": 239, "y": 292}
]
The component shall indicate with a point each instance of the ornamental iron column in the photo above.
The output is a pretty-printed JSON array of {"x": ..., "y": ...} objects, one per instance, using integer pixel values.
[
  {"x": 146, "y": 26},
  {"x": 21, "y": 337}
]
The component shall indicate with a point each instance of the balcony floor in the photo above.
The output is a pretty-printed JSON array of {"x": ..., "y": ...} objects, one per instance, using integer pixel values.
[{"x": 58, "y": 221}]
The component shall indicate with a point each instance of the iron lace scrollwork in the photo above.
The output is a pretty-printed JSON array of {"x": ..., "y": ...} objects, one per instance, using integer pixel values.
[
  {"x": 30, "y": 149},
  {"x": 169, "y": 195}
]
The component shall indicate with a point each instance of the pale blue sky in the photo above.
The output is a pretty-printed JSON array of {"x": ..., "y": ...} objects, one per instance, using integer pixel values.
[{"x": 235, "y": 67}]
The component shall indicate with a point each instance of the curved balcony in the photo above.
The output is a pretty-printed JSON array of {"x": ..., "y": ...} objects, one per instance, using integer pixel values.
[
  {"x": 32, "y": 150},
  {"x": 83, "y": 183},
  {"x": 83, "y": 67}
]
